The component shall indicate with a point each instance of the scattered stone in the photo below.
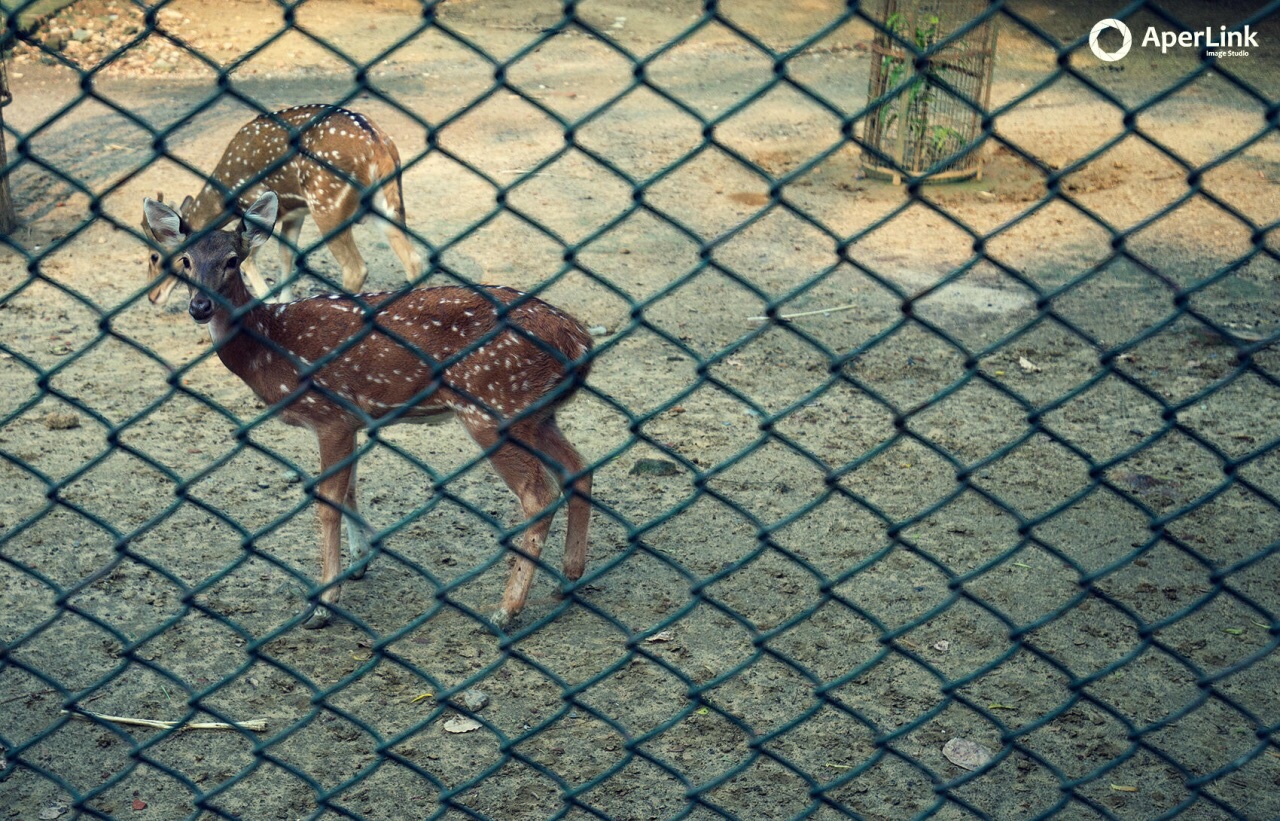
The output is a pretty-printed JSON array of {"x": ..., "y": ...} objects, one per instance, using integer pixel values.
[
  {"x": 461, "y": 724},
  {"x": 473, "y": 700},
  {"x": 290, "y": 477},
  {"x": 81, "y": 35},
  {"x": 654, "y": 467},
  {"x": 162, "y": 65},
  {"x": 598, "y": 330},
  {"x": 55, "y": 420}
]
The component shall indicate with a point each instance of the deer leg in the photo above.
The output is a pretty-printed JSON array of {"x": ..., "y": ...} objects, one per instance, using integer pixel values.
[
  {"x": 568, "y": 463},
  {"x": 290, "y": 228},
  {"x": 359, "y": 534},
  {"x": 523, "y": 472},
  {"x": 391, "y": 222},
  {"x": 342, "y": 244},
  {"x": 332, "y": 491}
]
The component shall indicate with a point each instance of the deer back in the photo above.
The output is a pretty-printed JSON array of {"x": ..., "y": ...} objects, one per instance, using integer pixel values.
[
  {"x": 487, "y": 353},
  {"x": 335, "y": 148}
]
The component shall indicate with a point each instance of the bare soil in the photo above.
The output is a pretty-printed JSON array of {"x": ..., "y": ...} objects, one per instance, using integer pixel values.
[{"x": 1018, "y": 490}]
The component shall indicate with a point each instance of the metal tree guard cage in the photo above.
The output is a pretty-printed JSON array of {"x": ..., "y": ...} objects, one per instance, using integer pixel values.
[{"x": 927, "y": 120}]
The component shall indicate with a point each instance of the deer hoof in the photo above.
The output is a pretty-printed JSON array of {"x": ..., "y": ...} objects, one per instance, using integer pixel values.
[
  {"x": 500, "y": 618},
  {"x": 359, "y": 564},
  {"x": 319, "y": 618}
]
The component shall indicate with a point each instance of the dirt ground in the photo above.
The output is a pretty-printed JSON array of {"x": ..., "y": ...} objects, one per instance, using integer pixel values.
[{"x": 1037, "y": 512}]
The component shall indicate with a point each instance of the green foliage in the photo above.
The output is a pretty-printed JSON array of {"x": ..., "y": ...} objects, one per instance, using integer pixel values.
[{"x": 915, "y": 95}]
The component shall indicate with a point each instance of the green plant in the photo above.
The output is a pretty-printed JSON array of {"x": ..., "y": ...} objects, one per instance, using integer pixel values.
[{"x": 922, "y": 143}]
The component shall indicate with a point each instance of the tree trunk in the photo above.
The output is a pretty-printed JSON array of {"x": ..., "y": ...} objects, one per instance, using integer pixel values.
[{"x": 8, "y": 219}]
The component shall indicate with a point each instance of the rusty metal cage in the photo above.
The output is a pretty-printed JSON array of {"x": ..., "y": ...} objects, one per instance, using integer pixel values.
[{"x": 930, "y": 82}]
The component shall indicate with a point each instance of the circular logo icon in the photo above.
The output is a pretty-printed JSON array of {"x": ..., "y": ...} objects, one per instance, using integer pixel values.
[{"x": 1103, "y": 25}]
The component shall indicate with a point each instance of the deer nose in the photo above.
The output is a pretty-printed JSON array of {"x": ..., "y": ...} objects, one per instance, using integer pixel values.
[{"x": 201, "y": 308}]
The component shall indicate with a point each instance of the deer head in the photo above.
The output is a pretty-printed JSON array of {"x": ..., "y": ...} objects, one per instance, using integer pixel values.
[
  {"x": 212, "y": 263},
  {"x": 159, "y": 295}
]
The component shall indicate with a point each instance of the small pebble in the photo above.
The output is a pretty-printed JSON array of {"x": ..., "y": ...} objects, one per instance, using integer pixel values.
[
  {"x": 654, "y": 467},
  {"x": 61, "y": 421},
  {"x": 473, "y": 700}
]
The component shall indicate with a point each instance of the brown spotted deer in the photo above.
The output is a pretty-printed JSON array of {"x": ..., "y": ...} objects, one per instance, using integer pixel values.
[
  {"x": 499, "y": 360},
  {"x": 340, "y": 155}
]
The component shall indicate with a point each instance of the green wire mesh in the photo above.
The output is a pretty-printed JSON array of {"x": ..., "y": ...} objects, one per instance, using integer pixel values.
[{"x": 832, "y": 575}]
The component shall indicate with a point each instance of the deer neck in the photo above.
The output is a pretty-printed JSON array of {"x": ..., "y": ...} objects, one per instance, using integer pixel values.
[{"x": 239, "y": 333}]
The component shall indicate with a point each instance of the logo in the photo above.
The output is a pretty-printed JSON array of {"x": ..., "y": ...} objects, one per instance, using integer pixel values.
[
  {"x": 1224, "y": 42},
  {"x": 1099, "y": 51}
]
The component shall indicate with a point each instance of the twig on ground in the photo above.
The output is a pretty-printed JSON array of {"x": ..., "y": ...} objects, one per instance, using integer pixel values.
[
  {"x": 256, "y": 725},
  {"x": 29, "y": 695},
  {"x": 807, "y": 313}
]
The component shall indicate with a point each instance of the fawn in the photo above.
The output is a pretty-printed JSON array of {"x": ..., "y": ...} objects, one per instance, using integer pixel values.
[
  {"x": 502, "y": 361},
  {"x": 339, "y": 154}
]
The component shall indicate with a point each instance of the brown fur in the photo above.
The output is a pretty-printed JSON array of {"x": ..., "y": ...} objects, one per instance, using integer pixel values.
[
  {"x": 340, "y": 155},
  {"x": 503, "y": 362}
]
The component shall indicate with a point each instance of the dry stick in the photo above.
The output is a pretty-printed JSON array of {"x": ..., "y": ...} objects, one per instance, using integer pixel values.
[
  {"x": 256, "y": 725},
  {"x": 48, "y": 692},
  {"x": 807, "y": 313}
]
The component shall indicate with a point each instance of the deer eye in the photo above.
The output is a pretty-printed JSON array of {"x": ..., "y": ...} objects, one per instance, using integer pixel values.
[
  {"x": 232, "y": 262},
  {"x": 186, "y": 263},
  {"x": 155, "y": 258}
]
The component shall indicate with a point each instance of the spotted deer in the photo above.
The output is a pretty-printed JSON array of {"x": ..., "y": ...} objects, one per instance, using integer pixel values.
[
  {"x": 340, "y": 155},
  {"x": 500, "y": 361}
]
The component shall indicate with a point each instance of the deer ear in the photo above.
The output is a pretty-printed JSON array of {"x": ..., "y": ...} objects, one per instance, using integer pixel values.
[
  {"x": 164, "y": 224},
  {"x": 259, "y": 220},
  {"x": 185, "y": 208}
]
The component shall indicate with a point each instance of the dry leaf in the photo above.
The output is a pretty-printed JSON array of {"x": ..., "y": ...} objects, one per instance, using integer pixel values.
[
  {"x": 461, "y": 724},
  {"x": 139, "y": 804},
  {"x": 942, "y": 646},
  {"x": 665, "y": 635},
  {"x": 52, "y": 811},
  {"x": 1027, "y": 365},
  {"x": 966, "y": 754}
]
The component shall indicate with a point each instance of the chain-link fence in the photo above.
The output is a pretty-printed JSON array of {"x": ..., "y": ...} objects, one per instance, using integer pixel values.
[{"x": 929, "y": 500}]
